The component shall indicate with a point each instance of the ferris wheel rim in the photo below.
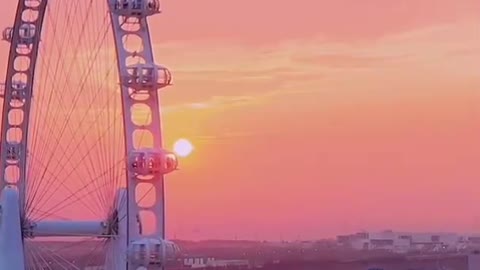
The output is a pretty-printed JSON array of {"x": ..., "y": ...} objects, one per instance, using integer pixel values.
[{"x": 141, "y": 81}]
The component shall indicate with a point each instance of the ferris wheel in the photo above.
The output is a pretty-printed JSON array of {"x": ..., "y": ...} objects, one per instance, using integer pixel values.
[{"x": 82, "y": 154}]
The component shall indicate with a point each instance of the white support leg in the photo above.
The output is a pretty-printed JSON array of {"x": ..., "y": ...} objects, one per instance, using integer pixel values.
[{"x": 11, "y": 244}]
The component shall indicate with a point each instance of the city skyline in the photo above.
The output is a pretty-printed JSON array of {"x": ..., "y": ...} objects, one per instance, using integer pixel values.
[{"x": 321, "y": 117}]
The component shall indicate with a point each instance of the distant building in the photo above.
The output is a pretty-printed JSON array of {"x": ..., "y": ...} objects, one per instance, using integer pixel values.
[
  {"x": 197, "y": 261},
  {"x": 202, "y": 262},
  {"x": 402, "y": 242},
  {"x": 226, "y": 263}
]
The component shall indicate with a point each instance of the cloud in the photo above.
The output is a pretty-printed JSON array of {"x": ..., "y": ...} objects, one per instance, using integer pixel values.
[
  {"x": 270, "y": 22},
  {"x": 211, "y": 75},
  {"x": 228, "y": 102},
  {"x": 340, "y": 60},
  {"x": 214, "y": 102},
  {"x": 465, "y": 52},
  {"x": 318, "y": 69}
]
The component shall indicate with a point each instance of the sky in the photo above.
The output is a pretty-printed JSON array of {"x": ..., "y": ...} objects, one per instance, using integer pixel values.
[{"x": 313, "y": 118}]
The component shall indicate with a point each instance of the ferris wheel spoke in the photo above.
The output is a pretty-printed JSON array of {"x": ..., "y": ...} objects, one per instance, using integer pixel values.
[
  {"x": 92, "y": 166},
  {"x": 57, "y": 254},
  {"x": 97, "y": 79},
  {"x": 35, "y": 259},
  {"x": 32, "y": 260},
  {"x": 88, "y": 153},
  {"x": 51, "y": 178},
  {"x": 73, "y": 244},
  {"x": 35, "y": 188},
  {"x": 100, "y": 246},
  {"x": 82, "y": 140},
  {"x": 56, "y": 85},
  {"x": 40, "y": 261},
  {"x": 67, "y": 201},
  {"x": 86, "y": 203},
  {"x": 60, "y": 103},
  {"x": 82, "y": 159},
  {"x": 46, "y": 60},
  {"x": 36, "y": 210},
  {"x": 62, "y": 205},
  {"x": 55, "y": 179},
  {"x": 68, "y": 117},
  {"x": 41, "y": 80},
  {"x": 54, "y": 256}
]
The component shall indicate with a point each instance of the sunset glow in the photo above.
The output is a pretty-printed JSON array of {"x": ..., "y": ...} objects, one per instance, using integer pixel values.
[{"x": 303, "y": 120}]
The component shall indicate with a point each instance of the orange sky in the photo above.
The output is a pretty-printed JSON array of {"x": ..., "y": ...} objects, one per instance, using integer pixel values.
[{"x": 316, "y": 117}]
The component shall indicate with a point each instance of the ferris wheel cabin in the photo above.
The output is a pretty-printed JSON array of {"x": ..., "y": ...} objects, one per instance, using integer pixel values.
[
  {"x": 151, "y": 161},
  {"x": 135, "y": 8},
  {"x": 145, "y": 76},
  {"x": 26, "y": 34}
]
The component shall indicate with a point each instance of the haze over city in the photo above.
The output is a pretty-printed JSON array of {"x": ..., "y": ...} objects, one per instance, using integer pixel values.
[{"x": 314, "y": 118}]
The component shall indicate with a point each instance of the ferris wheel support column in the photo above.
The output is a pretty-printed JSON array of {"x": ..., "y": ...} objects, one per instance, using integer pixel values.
[
  {"x": 12, "y": 255},
  {"x": 24, "y": 37},
  {"x": 147, "y": 161}
]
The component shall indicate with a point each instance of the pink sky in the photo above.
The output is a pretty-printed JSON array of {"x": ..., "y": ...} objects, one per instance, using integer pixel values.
[{"x": 313, "y": 117}]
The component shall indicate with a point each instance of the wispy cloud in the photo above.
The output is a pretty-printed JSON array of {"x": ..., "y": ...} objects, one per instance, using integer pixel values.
[
  {"x": 215, "y": 102},
  {"x": 246, "y": 76}
]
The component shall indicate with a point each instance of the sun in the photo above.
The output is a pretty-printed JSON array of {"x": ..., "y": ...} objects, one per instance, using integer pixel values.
[{"x": 183, "y": 147}]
